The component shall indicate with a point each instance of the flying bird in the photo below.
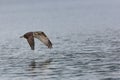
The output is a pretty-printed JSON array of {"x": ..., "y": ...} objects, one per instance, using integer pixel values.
[{"x": 39, "y": 35}]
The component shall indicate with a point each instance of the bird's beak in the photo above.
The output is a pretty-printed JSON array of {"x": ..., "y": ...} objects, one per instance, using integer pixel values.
[{"x": 21, "y": 36}]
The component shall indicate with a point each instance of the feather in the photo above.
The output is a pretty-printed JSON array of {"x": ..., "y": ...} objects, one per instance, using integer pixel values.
[
  {"x": 43, "y": 38},
  {"x": 31, "y": 42}
]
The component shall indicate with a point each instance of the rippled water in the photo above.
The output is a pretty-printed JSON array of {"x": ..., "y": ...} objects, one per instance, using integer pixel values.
[{"x": 76, "y": 57}]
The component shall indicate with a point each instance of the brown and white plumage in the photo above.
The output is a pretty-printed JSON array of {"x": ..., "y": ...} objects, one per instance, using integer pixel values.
[{"x": 39, "y": 35}]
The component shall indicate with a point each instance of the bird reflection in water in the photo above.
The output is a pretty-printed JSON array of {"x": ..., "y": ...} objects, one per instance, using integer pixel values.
[{"x": 42, "y": 65}]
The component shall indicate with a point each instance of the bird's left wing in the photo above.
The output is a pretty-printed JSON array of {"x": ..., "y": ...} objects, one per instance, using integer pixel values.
[{"x": 43, "y": 38}]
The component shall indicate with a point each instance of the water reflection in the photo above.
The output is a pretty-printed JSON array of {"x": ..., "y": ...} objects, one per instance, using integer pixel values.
[
  {"x": 41, "y": 65},
  {"x": 32, "y": 65}
]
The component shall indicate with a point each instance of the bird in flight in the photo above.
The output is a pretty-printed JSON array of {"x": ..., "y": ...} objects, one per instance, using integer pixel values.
[{"x": 39, "y": 35}]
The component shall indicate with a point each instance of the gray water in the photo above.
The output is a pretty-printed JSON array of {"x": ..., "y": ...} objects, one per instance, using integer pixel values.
[{"x": 85, "y": 36}]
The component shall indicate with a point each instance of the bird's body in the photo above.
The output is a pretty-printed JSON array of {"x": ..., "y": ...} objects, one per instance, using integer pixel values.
[{"x": 39, "y": 35}]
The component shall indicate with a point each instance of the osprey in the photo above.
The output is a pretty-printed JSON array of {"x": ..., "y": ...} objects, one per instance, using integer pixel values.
[{"x": 39, "y": 35}]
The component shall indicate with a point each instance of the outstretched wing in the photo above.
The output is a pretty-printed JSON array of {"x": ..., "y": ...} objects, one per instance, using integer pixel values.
[
  {"x": 31, "y": 42},
  {"x": 43, "y": 38}
]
